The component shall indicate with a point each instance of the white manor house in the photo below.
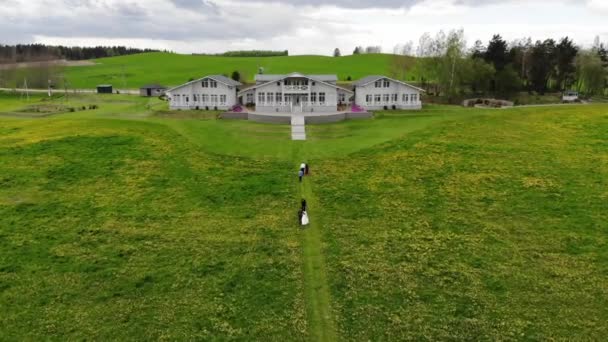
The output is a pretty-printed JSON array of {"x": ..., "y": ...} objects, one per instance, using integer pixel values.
[{"x": 295, "y": 93}]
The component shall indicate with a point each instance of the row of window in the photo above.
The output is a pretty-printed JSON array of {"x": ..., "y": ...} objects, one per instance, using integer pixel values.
[
  {"x": 391, "y": 98},
  {"x": 263, "y": 97},
  {"x": 208, "y": 83},
  {"x": 270, "y": 98},
  {"x": 201, "y": 99},
  {"x": 382, "y": 84}
]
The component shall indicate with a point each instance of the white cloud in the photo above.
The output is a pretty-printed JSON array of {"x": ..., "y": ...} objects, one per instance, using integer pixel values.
[{"x": 302, "y": 26}]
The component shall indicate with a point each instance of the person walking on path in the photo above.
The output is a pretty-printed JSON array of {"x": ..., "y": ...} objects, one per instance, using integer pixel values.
[
  {"x": 303, "y": 167},
  {"x": 305, "y": 220},
  {"x": 304, "y": 207},
  {"x": 300, "y": 175}
]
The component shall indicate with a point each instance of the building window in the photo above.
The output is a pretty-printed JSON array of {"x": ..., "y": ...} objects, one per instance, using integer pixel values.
[
  {"x": 205, "y": 98},
  {"x": 341, "y": 98},
  {"x": 368, "y": 99},
  {"x": 250, "y": 98},
  {"x": 223, "y": 99},
  {"x": 414, "y": 97},
  {"x": 378, "y": 84},
  {"x": 403, "y": 98},
  {"x": 187, "y": 99},
  {"x": 386, "y": 84},
  {"x": 313, "y": 97},
  {"x": 395, "y": 98},
  {"x": 205, "y": 83},
  {"x": 261, "y": 97},
  {"x": 386, "y": 97},
  {"x": 214, "y": 99},
  {"x": 377, "y": 98},
  {"x": 212, "y": 84},
  {"x": 277, "y": 98},
  {"x": 321, "y": 98},
  {"x": 269, "y": 97}
]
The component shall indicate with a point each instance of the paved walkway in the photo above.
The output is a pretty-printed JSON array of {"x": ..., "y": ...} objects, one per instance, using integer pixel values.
[{"x": 298, "y": 127}]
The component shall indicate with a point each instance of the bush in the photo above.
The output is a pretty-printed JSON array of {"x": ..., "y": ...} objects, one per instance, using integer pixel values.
[
  {"x": 71, "y": 109},
  {"x": 385, "y": 107},
  {"x": 349, "y": 78},
  {"x": 394, "y": 107},
  {"x": 236, "y": 76},
  {"x": 215, "y": 108},
  {"x": 83, "y": 108},
  {"x": 206, "y": 107}
]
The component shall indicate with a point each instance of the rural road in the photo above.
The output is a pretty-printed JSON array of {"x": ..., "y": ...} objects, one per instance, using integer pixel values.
[{"x": 71, "y": 91}]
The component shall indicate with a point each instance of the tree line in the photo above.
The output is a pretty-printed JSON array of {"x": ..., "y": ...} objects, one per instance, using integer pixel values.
[
  {"x": 247, "y": 53},
  {"x": 446, "y": 67},
  {"x": 41, "y": 52}
]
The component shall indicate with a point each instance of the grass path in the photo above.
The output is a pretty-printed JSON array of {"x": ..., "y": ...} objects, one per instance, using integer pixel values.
[{"x": 318, "y": 300}]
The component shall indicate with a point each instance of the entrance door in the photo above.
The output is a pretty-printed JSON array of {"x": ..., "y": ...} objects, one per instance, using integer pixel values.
[{"x": 149, "y": 91}]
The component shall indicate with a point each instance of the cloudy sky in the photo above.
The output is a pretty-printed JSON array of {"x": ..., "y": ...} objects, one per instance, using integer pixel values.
[{"x": 301, "y": 26}]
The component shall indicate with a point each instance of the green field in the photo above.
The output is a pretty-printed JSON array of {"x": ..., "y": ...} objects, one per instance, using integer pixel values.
[
  {"x": 174, "y": 69},
  {"x": 127, "y": 223}
]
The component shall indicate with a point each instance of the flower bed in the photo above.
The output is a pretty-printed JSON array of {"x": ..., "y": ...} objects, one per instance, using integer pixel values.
[{"x": 357, "y": 109}]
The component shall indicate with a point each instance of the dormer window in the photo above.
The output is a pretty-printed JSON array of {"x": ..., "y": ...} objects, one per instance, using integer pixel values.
[{"x": 386, "y": 84}]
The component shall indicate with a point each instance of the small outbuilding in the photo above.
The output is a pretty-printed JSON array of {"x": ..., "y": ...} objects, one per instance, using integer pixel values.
[
  {"x": 104, "y": 89},
  {"x": 152, "y": 90}
]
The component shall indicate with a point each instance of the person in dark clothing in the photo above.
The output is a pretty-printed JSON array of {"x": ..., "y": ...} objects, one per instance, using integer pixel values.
[
  {"x": 300, "y": 175},
  {"x": 304, "y": 207},
  {"x": 306, "y": 170},
  {"x": 300, "y": 214}
]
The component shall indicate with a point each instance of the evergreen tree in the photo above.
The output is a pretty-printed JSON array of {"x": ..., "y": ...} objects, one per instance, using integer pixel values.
[
  {"x": 496, "y": 53},
  {"x": 566, "y": 53},
  {"x": 337, "y": 53}
]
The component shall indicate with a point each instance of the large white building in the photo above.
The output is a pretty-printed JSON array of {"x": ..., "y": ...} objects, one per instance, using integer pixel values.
[
  {"x": 210, "y": 92},
  {"x": 296, "y": 92},
  {"x": 380, "y": 92}
]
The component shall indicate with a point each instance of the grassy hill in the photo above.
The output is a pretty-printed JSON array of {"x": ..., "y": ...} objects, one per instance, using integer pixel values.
[
  {"x": 173, "y": 69},
  {"x": 125, "y": 223}
]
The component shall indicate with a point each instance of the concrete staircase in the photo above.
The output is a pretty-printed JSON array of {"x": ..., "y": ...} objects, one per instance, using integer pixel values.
[{"x": 298, "y": 127}]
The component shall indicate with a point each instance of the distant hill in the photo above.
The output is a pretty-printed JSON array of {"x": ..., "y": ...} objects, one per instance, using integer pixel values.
[{"x": 173, "y": 69}]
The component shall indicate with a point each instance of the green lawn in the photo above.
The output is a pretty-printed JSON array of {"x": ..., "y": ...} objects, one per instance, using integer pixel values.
[
  {"x": 125, "y": 223},
  {"x": 174, "y": 69}
]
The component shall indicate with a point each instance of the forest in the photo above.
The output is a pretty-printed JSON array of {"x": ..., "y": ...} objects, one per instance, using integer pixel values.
[{"x": 41, "y": 52}]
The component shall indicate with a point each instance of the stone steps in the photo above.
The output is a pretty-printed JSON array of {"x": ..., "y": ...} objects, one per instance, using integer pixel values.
[{"x": 298, "y": 127}]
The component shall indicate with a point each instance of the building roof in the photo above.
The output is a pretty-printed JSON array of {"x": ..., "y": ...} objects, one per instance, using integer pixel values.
[
  {"x": 225, "y": 80},
  {"x": 220, "y": 78},
  {"x": 294, "y": 74},
  {"x": 373, "y": 78},
  {"x": 320, "y": 78},
  {"x": 153, "y": 86},
  {"x": 104, "y": 85}
]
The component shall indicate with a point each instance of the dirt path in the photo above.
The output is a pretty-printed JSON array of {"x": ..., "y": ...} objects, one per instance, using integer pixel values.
[{"x": 318, "y": 298}]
